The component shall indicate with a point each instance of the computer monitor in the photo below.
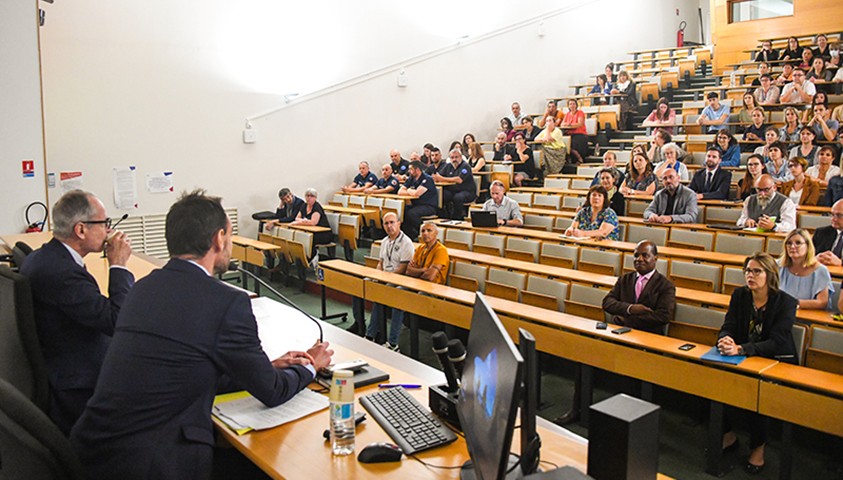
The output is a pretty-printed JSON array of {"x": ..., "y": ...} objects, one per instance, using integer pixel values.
[{"x": 489, "y": 396}]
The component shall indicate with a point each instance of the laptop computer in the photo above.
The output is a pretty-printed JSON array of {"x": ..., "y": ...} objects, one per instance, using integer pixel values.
[
  {"x": 484, "y": 219},
  {"x": 724, "y": 226}
]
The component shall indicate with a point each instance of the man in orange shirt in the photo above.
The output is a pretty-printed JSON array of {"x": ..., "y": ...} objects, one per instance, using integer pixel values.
[{"x": 430, "y": 262}]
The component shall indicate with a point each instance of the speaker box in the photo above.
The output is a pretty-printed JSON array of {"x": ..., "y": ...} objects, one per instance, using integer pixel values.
[{"x": 623, "y": 440}]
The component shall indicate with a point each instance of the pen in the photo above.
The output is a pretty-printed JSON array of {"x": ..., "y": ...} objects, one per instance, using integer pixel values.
[{"x": 393, "y": 385}]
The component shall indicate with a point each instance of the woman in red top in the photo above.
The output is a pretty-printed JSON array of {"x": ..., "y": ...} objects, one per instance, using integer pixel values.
[{"x": 573, "y": 124}]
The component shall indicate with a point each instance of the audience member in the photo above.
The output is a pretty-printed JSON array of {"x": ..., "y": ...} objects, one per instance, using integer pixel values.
[
  {"x": 644, "y": 299},
  {"x": 640, "y": 178},
  {"x": 808, "y": 113},
  {"x": 768, "y": 209},
  {"x": 608, "y": 181},
  {"x": 506, "y": 209},
  {"x": 730, "y": 150},
  {"x": 771, "y": 136},
  {"x": 524, "y": 167},
  {"x": 662, "y": 118},
  {"x": 477, "y": 162},
  {"x": 467, "y": 141},
  {"x": 610, "y": 73},
  {"x": 711, "y": 182},
  {"x": 777, "y": 165},
  {"x": 786, "y": 76},
  {"x": 767, "y": 93},
  {"x": 801, "y": 275},
  {"x": 395, "y": 255},
  {"x": 530, "y": 130},
  {"x": 828, "y": 240},
  {"x": 763, "y": 69},
  {"x": 426, "y": 156},
  {"x": 610, "y": 160},
  {"x": 767, "y": 52},
  {"x": 834, "y": 190},
  {"x": 793, "y": 50},
  {"x": 824, "y": 171},
  {"x": 551, "y": 112},
  {"x": 806, "y": 148},
  {"x": 73, "y": 319},
  {"x": 745, "y": 115},
  {"x": 675, "y": 203},
  {"x": 312, "y": 214},
  {"x": 388, "y": 183},
  {"x": 715, "y": 115},
  {"x": 501, "y": 150},
  {"x": 790, "y": 131},
  {"x": 421, "y": 187},
  {"x": 456, "y": 145},
  {"x": 573, "y": 123},
  {"x": 362, "y": 181},
  {"x": 507, "y": 128},
  {"x": 430, "y": 260},
  {"x": 759, "y": 322},
  {"x": 516, "y": 116},
  {"x": 822, "y": 50},
  {"x": 655, "y": 154},
  {"x": 807, "y": 60},
  {"x": 629, "y": 103},
  {"x": 818, "y": 72},
  {"x": 754, "y": 169},
  {"x": 672, "y": 154},
  {"x": 824, "y": 127},
  {"x": 460, "y": 187},
  {"x": 801, "y": 189},
  {"x": 799, "y": 90},
  {"x": 437, "y": 165},
  {"x": 181, "y": 335},
  {"x": 287, "y": 209},
  {"x": 755, "y": 131},
  {"x": 600, "y": 89},
  {"x": 595, "y": 219},
  {"x": 399, "y": 165},
  {"x": 553, "y": 147}
]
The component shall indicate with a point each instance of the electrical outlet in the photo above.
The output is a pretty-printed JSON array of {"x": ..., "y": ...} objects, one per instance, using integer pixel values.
[{"x": 250, "y": 135}]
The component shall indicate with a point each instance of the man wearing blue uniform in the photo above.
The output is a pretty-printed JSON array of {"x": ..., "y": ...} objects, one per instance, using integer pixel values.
[
  {"x": 388, "y": 183},
  {"x": 420, "y": 186},
  {"x": 461, "y": 188},
  {"x": 362, "y": 181},
  {"x": 436, "y": 163},
  {"x": 400, "y": 166}
]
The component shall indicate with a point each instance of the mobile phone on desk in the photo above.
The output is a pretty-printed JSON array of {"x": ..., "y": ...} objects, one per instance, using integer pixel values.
[
  {"x": 687, "y": 346},
  {"x": 602, "y": 326},
  {"x": 622, "y": 330}
]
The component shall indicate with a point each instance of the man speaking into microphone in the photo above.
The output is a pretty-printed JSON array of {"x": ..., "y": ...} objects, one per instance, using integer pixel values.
[{"x": 180, "y": 333}]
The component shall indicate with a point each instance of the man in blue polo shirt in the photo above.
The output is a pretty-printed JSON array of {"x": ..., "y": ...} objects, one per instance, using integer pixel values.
[
  {"x": 715, "y": 115},
  {"x": 420, "y": 186},
  {"x": 362, "y": 181},
  {"x": 461, "y": 188},
  {"x": 400, "y": 166},
  {"x": 388, "y": 183}
]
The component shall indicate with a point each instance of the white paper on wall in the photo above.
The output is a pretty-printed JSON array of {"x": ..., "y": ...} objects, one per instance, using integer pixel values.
[{"x": 125, "y": 188}]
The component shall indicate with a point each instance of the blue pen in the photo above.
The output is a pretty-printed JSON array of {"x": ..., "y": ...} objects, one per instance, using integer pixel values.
[{"x": 393, "y": 385}]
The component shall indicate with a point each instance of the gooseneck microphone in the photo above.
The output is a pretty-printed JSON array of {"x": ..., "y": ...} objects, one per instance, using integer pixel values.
[
  {"x": 125, "y": 216},
  {"x": 232, "y": 266},
  {"x": 440, "y": 348},
  {"x": 456, "y": 355}
]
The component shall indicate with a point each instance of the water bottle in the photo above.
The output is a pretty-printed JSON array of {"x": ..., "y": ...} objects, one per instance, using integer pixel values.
[{"x": 342, "y": 412}]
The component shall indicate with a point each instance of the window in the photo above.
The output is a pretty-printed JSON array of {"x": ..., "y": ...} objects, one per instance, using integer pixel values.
[{"x": 745, "y": 10}]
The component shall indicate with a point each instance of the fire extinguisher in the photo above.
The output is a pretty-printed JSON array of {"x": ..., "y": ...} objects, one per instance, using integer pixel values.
[
  {"x": 33, "y": 227},
  {"x": 680, "y": 34}
]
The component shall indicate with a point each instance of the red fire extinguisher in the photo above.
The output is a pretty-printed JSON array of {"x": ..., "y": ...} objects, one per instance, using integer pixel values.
[{"x": 680, "y": 34}]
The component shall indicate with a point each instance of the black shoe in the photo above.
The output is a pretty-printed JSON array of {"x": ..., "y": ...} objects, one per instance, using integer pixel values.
[
  {"x": 733, "y": 447},
  {"x": 753, "y": 469},
  {"x": 567, "y": 418},
  {"x": 355, "y": 329}
]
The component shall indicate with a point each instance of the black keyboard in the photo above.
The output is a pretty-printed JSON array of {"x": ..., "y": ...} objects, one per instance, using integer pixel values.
[{"x": 411, "y": 426}]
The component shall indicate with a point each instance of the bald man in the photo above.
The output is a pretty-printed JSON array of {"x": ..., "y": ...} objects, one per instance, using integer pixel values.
[
  {"x": 400, "y": 166},
  {"x": 768, "y": 209}
]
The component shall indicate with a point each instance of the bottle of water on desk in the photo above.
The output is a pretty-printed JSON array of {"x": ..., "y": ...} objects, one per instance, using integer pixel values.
[{"x": 342, "y": 412}]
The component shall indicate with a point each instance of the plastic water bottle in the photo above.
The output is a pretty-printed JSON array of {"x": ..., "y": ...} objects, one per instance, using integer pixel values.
[{"x": 342, "y": 412}]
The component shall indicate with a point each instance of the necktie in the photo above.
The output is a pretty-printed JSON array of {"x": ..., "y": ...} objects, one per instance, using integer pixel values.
[
  {"x": 639, "y": 286},
  {"x": 708, "y": 181},
  {"x": 838, "y": 245}
]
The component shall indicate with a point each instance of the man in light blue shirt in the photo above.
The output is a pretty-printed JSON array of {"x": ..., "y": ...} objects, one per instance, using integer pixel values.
[{"x": 715, "y": 114}]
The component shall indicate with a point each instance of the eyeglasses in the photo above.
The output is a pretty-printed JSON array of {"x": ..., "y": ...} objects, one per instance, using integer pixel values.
[
  {"x": 753, "y": 271},
  {"x": 106, "y": 222},
  {"x": 837, "y": 215},
  {"x": 764, "y": 190}
]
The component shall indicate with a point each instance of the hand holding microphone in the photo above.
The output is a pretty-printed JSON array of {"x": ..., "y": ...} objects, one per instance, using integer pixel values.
[{"x": 117, "y": 248}]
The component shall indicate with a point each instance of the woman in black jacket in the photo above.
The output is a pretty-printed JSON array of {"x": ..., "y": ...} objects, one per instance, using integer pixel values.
[{"x": 759, "y": 322}]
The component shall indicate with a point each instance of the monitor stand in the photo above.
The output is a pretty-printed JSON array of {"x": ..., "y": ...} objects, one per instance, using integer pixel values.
[{"x": 467, "y": 471}]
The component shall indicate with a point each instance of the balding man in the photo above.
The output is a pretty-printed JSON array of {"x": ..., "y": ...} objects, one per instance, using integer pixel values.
[
  {"x": 75, "y": 321},
  {"x": 768, "y": 209},
  {"x": 828, "y": 240},
  {"x": 388, "y": 183},
  {"x": 400, "y": 166},
  {"x": 507, "y": 210},
  {"x": 501, "y": 151},
  {"x": 516, "y": 116},
  {"x": 675, "y": 203},
  {"x": 460, "y": 187},
  {"x": 362, "y": 181}
]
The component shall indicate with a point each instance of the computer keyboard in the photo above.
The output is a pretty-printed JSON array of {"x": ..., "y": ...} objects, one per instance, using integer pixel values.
[{"x": 410, "y": 425}]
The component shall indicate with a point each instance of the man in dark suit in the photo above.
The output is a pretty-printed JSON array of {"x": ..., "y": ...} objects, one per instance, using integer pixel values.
[
  {"x": 644, "y": 299},
  {"x": 712, "y": 182},
  {"x": 74, "y": 320},
  {"x": 180, "y": 333},
  {"x": 828, "y": 240}
]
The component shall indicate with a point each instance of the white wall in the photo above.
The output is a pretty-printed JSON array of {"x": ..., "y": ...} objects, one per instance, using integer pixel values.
[
  {"x": 20, "y": 113},
  {"x": 152, "y": 84}
]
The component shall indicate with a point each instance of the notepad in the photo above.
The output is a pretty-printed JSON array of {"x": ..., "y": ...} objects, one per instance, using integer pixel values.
[
  {"x": 242, "y": 412},
  {"x": 713, "y": 355}
]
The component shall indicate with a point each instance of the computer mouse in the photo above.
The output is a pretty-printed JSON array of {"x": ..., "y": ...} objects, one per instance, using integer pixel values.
[{"x": 379, "y": 453}]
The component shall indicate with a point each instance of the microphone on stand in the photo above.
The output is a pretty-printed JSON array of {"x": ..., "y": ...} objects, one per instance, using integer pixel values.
[
  {"x": 232, "y": 266},
  {"x": 456, "y": 355},
  {"x": 125, "y": 216},
  {"x": 440, "y": 348},
  {"x": 113, "y": 232}
]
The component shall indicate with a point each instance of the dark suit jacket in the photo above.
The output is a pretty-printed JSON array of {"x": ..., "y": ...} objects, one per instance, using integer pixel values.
[
  {"x": 75, "y": 323},
  {"x": 776, "y": 325},
  {"x": 720, "y": 184},
  {"x": 281, "y": 213},
  {"x": 824, "y": 238},
  {"x": 659, "y": 294},
  {"x": 179, "y": 332}
]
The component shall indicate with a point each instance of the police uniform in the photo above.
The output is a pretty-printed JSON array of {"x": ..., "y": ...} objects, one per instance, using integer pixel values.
[
  {"x": 403, "y": 167},
  {"x": 420, "y": 207},
  {"x": 390, "y": 182},
  {"x": 456, "y": 195},
  {"x": 432, "y": 168},
  {"x": 361, "y": 181}
]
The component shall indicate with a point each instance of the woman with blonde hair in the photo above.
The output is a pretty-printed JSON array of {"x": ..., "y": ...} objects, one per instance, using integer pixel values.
[
  {"x": 790, "y": 131},
  {"x": 801, "y": 275}
]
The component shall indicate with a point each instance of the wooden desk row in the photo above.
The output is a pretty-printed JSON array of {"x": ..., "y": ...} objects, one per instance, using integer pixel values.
[{"x": 640, "y": 355}]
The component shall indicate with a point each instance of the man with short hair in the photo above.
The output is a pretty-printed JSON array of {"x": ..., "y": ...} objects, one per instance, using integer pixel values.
[
  {"x": 530, "y": 130},
  {"x": 714, "y": 115},
  {"x": 362, "y": 181},
  {"x": 523, "y": 165},
  {"x": 422, "y": 188},
  {"x": 399, "y": 165},
  {"x": 507, "y": 210},
  {"x": 436, "y": 163},
  {"x": 460, "y": 186},
  {"x": 395, "y": 255},
  {"x": 610, "y": 161},
  {"x": 828, "y": 240},
  {"x": 74, "y": 320},
  {"x": 799, "y": 90},
  {"x": 711, "y": 182},
  {"x": 388, "y": 183},
  {"x": 675, "y": 203},
  {"x": 501, "y": 151},
  {"x": 516, "y": 116},
  {"x": 430, "y": 260},
  {"x": 768, "y": 209},
  {"x": 825, "y": 127},
  {"x": 180, "y": 335},
  {"x": 552, "y": 111},
  {"x": 766, "y": 93},
  {"x": 287, "y": 209}
]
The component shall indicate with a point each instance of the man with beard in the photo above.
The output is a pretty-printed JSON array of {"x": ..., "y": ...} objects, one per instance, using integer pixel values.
[
  {"x": 712, "y": 182},
  {"x": 768, "y": 209},
  {"x": 675, "y": 203}
]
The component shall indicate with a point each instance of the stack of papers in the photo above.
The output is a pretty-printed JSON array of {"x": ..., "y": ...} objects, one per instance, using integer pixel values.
[{"x": 242, "y": 412}]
